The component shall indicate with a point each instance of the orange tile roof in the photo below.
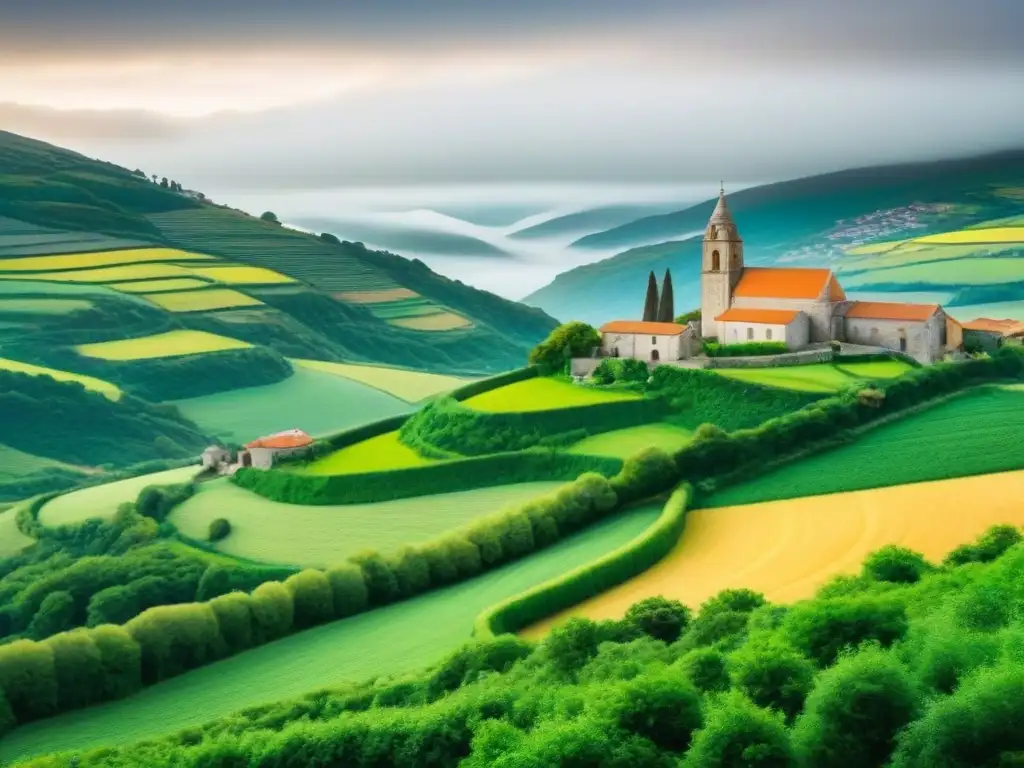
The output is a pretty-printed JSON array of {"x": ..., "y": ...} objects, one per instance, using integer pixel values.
[
  {"x": 1004, "y": 327},
  {"x": 783, "y": 283},
  {"x": 835, "y": 290},
  {"x": 886, "y": 310},
  {"x": 767, "y": 316},
  {"x": 292, "y": 438},
  {"x": 643, "y": 328}
]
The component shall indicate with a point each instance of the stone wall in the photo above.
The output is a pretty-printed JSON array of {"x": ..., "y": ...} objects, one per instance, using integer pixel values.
[{"x": 804, "y": 357}]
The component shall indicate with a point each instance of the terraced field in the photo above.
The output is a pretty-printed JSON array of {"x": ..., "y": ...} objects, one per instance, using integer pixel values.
[
  {"x": 18, "y": 238},
  {"x": 410, "y": 386},
  {"x": 375, "y": 297},
  {"x": 438, "y": 321},
  {"x": 374, "y": 643},
  {"x": 373, "y": 455},
  {"x": 98, "y": 259},
  {"x": 105, "y": 388},
  {"x": 43, "y": 306},
  {"x": 167, "y": 344},
  {"x": 145, "y": 271},
  {"x": 788, "y": 549},
  {"x": 415, "y": 307},
  {"x": 242, "y": 275},
  {"x": 241, "y": 238},
  {"x": 15, "y": 463},
  {"x": 156, "y": 286},
  {"x": 102, "y": 500},
  {"x": 977, "y": 432},
  {"x": 818, "y": 378},
  {"x": 540, "y": 394},
  {"x": 202, "y": 300},
  {"x": 623, "y": 443},
  {"x": 953, "y": 273},
  {"x": 309, "y": 399},
  {"x": 294, "y": 534}
]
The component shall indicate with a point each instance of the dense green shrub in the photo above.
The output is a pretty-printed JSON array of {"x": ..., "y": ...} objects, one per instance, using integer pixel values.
[
  {"x": 55, "y": 614},
  {"x": 993, "y": 543},
  {"x": 706, "y": 669},
  {"x": 312, "y": 598},
  {"x": 273, "y": 612},
  {"x": 219, "y": 529},
  {"x": 78, "y": 667},
  {"x": 157, "y": 501},
  {"x": 625, "y": 370},
  {"x": 175, "y": 638},
  {"x": 773, "y": 676},
  {"x": 349, "y": 590},
  {"x": 824, "y": 628},
  {"x": 567, "y": 341},
  {"x": 739, "y": 734},
  {"x": 748, "y": 349},
  {"x": 28, "y": 679},
  {"x": 235, "y": 619},
  {"x": 659, "y": 618},
  {"x": 121, "y": 659},
  {"x": 896, "y": 564},
  {"x": 661, "y": 707}
]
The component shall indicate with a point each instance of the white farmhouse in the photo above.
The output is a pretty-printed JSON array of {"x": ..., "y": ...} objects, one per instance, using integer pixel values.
[
  {"x": 215, "y": 457},
  {"x": 262, "y": 453},
  {"x": 648, "y": 341}
]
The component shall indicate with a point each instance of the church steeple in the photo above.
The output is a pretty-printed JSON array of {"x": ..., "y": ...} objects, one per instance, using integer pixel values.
[
  {"x": 722, "y": 265},
  {"x": 720, "y": 225}
]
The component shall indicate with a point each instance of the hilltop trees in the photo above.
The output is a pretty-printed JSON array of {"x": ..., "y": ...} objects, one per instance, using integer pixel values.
[
  {"x": 651, "y": 302},
  {"x": 269, "y": 216},
  {"x": 567, "y": 341}
]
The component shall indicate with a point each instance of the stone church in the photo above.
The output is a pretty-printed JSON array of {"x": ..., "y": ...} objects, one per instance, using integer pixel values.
[{"x": 800, "y": 306}]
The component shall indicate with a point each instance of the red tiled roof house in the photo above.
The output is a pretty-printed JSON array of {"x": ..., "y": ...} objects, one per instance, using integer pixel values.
[{"x": 262, "y": 453}]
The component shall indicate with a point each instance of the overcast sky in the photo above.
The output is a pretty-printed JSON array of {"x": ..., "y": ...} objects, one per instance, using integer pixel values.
[{"x": 322, "y": 93}]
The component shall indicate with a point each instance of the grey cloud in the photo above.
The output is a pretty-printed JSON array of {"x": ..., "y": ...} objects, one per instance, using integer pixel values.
[{"x": 87, "y": 125}]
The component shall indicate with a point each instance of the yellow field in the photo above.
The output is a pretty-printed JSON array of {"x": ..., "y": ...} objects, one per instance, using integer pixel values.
[
  {"x": 167, "y": 344},
  {"x": 105, "y": 388},
  {"x": 541, "y": 394},
  {"x": 376, "y": 297},
  {"x": 443, "y": 321},
  {"x": 197, "y": 301},
  {"x": 994, "y": 235},
  {"x": 377, "y": 454},
  {"x": 411, "y": 386},
  {"x": 150, "y": 286},
  {"x": 106, "y": 274},
  {"x": 236, "y": 275},
  {"x": 787, "y": 549},
  {"x": 99, "y": 259}
]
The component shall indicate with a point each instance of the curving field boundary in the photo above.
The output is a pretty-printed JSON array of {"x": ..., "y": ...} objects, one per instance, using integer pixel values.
[{"x": 586, "y": 581}]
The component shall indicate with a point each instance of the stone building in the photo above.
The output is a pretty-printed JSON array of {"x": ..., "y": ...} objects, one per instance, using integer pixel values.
[
  {"x": 800, "y": 306},
  {"x": 988, "y": 335},
  {"x": 649, "y": 341},
  {"x": 262, "y": 453}
]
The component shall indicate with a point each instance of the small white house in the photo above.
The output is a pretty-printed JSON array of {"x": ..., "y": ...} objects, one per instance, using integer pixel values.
[
  {"x": 262, "y": 453},
  {"x": 215, "y": 457},
  {"x": 745, "y": 326},
  {"x": 641, "y": 340}
]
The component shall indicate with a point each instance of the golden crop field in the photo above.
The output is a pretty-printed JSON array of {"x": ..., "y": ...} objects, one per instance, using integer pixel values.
[
  {"x": 376, "y": 297},
  {"x": 169, "y": 344},
  {"x": 106, "y": 274},
  {"x": 155, "y": 286},
  {"x": 198, "y": 301},
  {"x": 541, "y": 394},
  {"x": 98, "y": 259},
  {"x": 442, "y": 321},
  {"x": 411, "y": 386},
  {"x": 376, "y": 454},
  {"x": 105, "y": 388},
  {"x": 993, "y": 235},
  {"x": 787, "y": 549},
  {"x": 242, "y": 275}
]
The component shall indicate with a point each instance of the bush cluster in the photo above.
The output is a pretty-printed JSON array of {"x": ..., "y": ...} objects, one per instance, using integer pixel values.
[
  {"x": 624, "y": 369},
  {"x": 567, "y": 341},
  {"x": 747, "y": 349}
]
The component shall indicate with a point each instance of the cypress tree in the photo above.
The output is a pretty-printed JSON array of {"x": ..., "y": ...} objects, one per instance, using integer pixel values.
[
  {"x": 667, "y": 307},
  {"x": 651, "y": 302}
]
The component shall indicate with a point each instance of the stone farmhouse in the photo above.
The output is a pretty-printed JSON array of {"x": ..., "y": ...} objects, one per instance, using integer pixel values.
[
  {"x": 796, "y": 306},
  {"x": 261, "y": 453},
  {"x": 989, "y": 335}
]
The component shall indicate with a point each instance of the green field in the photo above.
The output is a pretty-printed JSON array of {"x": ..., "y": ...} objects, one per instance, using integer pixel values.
[
  {"x": 817, "y": 378},
  {"x": 954, "y": 273},
  {"x": 12, "y": 540},
  {"x": 105, "y": 388},
  {"x": 978, "y": 432},
  {"x": 293, "y": 534},
  {"x": 169, "y": 344},
  {"x": 43, "y": 306},
  {"x": 315, "y": 402},
  {"x": 47, "y": 242},
  {"x": 102, "y": 500},
  {"x": 411, "y": 386},
  {"x": 623, "y": 443},
  {"x": 373, "y": 455},
  {"x": 15, "y": 463},
  {"x": 541, "y": 394},
  {"x": 386, "y": 641}
]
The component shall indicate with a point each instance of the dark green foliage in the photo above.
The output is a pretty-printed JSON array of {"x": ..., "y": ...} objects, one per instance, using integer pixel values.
[
  {"x": 896, "y": 564},
  {"x": 688, "y": 317},
  {"x": 65, "y": 421},
  {"x": 706, "y": 669},
  {"x": 55, "y": 614},
  {"x": 621, "y": 369},
  {"x": 349, "y": 590},
  {"x": 651, "y": 299},
  {"x": 28, "y": 679},
  {"x": 667, "y": 303},
  {"x": 234, "y": 617},
  {"x": 327, "y": 237},
  {"x": 738, "y": 734},
  {"x": 175, "y": 638},
  {"x": 748, "y": 349},
  {"x": 157, "y": 501},
  {"x": 219, "y": 529},
  {"x": 571, "y": 645},
  {"x": 824, "y": 628},
  {"x": 855, "y": 711},
  {"x": 564, "y": 343},
  {"x": 659, "y": 618},
  {"x": 311, "y": 596},
  {"x": 121, "y": 660},
  {"x": 662, "y": 707},
  {"x": 773, "y": 676},
  {"x": 381, "y": 582},
  {"x": 990, "y": 545},
  {"x": 78, "y": 667},
  {"x": 269, "y": 216}
]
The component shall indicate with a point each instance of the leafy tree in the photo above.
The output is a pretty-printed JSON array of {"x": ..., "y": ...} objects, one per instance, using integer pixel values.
[
  {"x": 989, "y": 546},
  {"x": 219, "y": 529},
  {"x": 855, "y": 711},
  {"x": 661, "y": 707},
  {"x": 651, "y": 300},
  {"x": 774, "y": 676},
  {"x": 824, "y": 628},
  {"x": 739, "y": 734},
  {"x": 311, "y": 596},
  {"x": 706, "y": 669},
  {"x": 571, "y": 645},
  {"x": 567, "y": 341},
  {"x": 349, "y": 589},
  {"x": 55, "y": 614},
  {"x": 163, "y": 182},
  {"x": 658, "y": 617},
  {"x": 667, "y": 305},
  {"x": 896, "y": 564},
  {"x": 269, "y": 216},
  {"x": 688, "y": 317},
  {"x": 327, "y": 237}
]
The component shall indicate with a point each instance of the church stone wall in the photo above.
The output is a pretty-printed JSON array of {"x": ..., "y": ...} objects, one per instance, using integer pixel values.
[
  {"x": 819, "y": 313},
  {"x": 924, "y": 341}
]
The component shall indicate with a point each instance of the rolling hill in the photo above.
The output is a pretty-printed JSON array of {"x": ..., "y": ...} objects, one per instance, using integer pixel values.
[
  {"x": 883, "y": 229},
  {"x": 140, "y": 287},
  {"x": 589, "y": 220}
]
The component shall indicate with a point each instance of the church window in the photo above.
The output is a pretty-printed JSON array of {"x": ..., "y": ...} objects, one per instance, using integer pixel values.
[
  {"x": 768, "y": 334},
  {"x": 750, "y": 334},
  {"x": 716, "y": 263},
  {"x": 654, "y": 339}
]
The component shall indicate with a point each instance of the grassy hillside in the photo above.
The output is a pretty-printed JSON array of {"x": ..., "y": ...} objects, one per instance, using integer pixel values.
[{"x": 832, "y": 220}]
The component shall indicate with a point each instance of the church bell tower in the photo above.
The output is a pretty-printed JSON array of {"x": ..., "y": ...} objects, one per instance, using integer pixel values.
[{"x": 721, "y": 266}]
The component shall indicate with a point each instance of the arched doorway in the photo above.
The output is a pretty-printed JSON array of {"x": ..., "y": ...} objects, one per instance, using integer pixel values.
[{"x": 655, "y": 355}]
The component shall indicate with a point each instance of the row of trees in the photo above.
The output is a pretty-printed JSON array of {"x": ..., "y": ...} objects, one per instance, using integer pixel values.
[
  {"x": 916, "y": 671},
  {"x": 659, "y": 308}
]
